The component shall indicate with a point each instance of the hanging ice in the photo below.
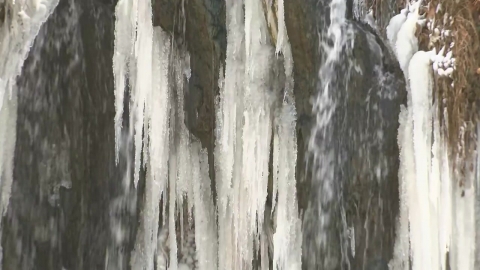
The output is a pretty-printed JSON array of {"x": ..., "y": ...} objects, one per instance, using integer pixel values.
[
  {"x": 157, "y": 126},
  {"x": 125, "y": 24},
  {"x": 286, "y": 241},
  {"x": 436, "y": 215},
  {"x": 420, "y": 81},
  {"x": 229, "y": 115},
  {"x": 243, "y": 137}
]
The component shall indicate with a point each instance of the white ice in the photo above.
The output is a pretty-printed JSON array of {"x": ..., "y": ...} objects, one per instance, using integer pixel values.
[
  {"x": 287, "y": 244},
  {"x": 435, "y": 220},
  {"x": 407, "y": 43},
  {"x": 394, "y": 26}
]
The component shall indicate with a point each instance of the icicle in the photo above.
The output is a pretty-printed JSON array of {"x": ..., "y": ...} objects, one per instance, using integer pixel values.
[
  {"x": 157, "y": 117},
  {"x": 205, "y": 225},
  {"x": 286, "y": 243},
  {"x": 401, "y": 259},
  {"x": 256, "y": 133},
  {"x": 228, "y": 150},
  {"x": 143, "y": 81},
  {"x": 125, "y": 23},
  {"x": 421, "y": 92}
]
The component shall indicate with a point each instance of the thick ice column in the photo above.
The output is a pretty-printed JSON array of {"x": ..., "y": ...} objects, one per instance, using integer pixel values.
[
  {"x": 287, "y": 243},
  {"x": 156, "y": 149},
  {"x": 420, "y": 81},
  {"x": 257, "y": 124},
  {"x": 125, "y": 24},
  {"x": 228, "y": 148},
  {"x": 204, "y": 210}
]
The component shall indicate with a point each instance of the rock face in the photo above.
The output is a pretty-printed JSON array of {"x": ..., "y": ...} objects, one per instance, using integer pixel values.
[
  {"x": 67, "y": 193},
  {"x": 65, "y": 173}
]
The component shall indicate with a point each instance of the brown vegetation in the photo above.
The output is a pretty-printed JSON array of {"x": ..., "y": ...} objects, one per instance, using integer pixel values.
[
  {"x": 458, "y": 102},
  {"x": 461, "y": 100}
]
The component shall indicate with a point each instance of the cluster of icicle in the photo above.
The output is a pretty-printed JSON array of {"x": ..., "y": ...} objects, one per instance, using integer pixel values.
[
  {"x": 176, "y": 165},
  {"x": 244, "y": 129},
  {"x": 436, "y": 215},
  {"x": 146, "y": 58},
  {"x": 22, "y": 22}
]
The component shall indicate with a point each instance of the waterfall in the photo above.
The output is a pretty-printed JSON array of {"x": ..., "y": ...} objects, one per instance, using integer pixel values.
[
  {"x": 17, "y": 33},
  {"x": 337, "y": 42}
]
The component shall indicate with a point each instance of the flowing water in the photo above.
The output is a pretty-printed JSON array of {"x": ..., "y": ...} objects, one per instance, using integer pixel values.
[{"x": 100, "y": 167}]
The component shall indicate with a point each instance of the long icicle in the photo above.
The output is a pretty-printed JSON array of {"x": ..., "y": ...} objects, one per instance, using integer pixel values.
[{"x": 287, "y": 244}]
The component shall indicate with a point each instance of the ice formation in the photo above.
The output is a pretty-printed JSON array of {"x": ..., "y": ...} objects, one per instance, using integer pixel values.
[
  {"x": 394, "y": 26},
  {"x": 420, "y": 81},
  {"x": 286, "y": 241},
  {"x": 406, "y": 44},
  {"x": 244, "y": 129},
  {"x": 436, "y": 215},
  {"x": 176, "y": 166}
]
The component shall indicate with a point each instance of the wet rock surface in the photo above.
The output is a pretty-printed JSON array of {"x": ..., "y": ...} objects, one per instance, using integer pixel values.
[
  {"x": 66, "y": 180},
  {"x": 65, "y": 173}
]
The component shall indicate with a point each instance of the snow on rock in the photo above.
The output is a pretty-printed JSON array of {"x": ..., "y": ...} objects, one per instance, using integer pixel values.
[{"x": 370, "y": 19}]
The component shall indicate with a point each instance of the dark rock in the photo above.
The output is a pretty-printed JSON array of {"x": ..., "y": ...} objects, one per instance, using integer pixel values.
[{"x": 65, "y": 173}]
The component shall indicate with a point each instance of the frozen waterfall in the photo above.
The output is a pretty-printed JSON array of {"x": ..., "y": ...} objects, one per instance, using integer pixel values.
[{"x": 232, "y": 135}]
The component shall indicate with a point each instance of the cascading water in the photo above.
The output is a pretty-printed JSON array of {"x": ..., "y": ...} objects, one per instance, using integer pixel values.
[
  {"x": 17, "y": 33},
  {"x": 337, "y": 42}
]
